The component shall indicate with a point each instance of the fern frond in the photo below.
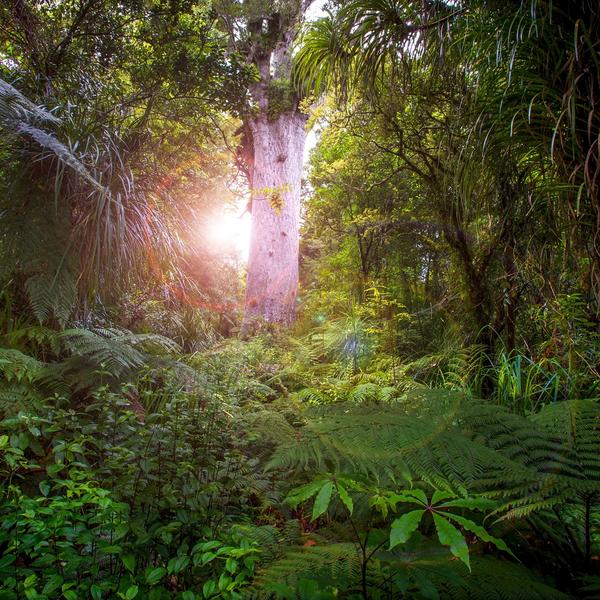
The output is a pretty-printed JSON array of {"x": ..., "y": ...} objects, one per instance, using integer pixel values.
[
  {"x": 378, "y": 439},
  {"x": 337, "y": 561},
  {"x": 492, "y": 579},
  {"x": 17, "y": 367},
  {"x": 52, "y": 295}
]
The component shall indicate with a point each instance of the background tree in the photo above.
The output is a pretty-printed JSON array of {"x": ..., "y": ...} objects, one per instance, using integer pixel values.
[
  {"x": 115, "y": 185},
  {"x": 468, "y": 113}
]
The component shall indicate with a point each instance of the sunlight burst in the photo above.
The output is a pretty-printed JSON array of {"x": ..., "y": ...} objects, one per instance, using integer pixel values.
[{"x": 230, "y": 231}]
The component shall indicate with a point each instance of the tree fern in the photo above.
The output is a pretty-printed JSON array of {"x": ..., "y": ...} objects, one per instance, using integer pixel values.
[
  {"x": 420, "y": 571},
  {"x": 450, "y": 442},
  {"x": 377, "y": 439},
  {"x": 77, "y": 359}
]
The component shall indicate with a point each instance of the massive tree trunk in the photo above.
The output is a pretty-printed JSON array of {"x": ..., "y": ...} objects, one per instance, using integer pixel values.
[
  {"x": 274, "y": 136},
  {"x": 276, "y": 178}
]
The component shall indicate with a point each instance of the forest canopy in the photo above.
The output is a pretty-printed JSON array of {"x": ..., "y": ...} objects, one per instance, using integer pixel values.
[{"x": 299, "y": 299}]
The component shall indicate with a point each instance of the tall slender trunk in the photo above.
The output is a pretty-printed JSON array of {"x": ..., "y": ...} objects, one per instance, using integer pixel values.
[{"x": 272, "y": 279}]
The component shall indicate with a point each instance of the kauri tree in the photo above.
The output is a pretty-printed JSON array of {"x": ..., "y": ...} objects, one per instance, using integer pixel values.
[{"x": 271, "y": 153}]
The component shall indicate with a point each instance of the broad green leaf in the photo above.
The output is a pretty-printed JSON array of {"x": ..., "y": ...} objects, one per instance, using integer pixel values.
[
  {"x": 322, "y": 500},
  {"x": 132, "y": 592},
  {"x": 96, "y": 592},
  {"x": 440, "y": 495},
  {"x": 302, "y": 493},
  {"x": 207, "y": 546},
  {"x": 53, "y": 583},
  {"x": 6, "y": 560},
  {"x": 129, "y": 562},
  {"x": 178, "y": 564},
  {"x": 155, "y": 575},
  {"x": 44, "y": 488},
  {"x": 450, "y": 536},
  {"x": 480, "y": 532},
  {"x": 204, "y": 558},
  {"x": 224, "y": 581},
  {"x": 188, "y": 595},
  {"x": 231, "y": 565},
  {"x": 404, "y": 527},
  {"x": 209, "y": 588},
  {"x": 416, "y": 495},
  {"x": 345, "y": 497}
]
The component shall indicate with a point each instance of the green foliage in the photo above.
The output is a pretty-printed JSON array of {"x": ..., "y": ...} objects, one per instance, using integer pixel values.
[
  {"x": 431, "y": 429},
  {"x": 525, "y": 469},
  {"x": 403, "y": 527},
  {"x": 125, "y": 499},
  {"x": 280, "y": 97},
  {"x": 43, "y": 361}
]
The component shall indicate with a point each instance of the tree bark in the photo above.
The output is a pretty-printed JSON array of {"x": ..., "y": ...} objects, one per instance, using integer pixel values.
[
  {"x": 274, "y": 137},
  {"x": 272, "y": 279}
]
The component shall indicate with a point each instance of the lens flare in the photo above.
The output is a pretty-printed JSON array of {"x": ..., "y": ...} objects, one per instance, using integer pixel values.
[{"x": 229, "y": 232}]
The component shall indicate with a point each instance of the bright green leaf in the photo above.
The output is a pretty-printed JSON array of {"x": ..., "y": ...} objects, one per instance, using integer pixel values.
[
  {"x": 440, "y": 495},
  {"x": 480, "y": 532},
  {"x": 6, "y": 560},
  {"x": 53, "y": 583},
  {"x": 450, "y": 536},
  {"x": 155, "y": 575},
  {"x": 404, "y": 527},
  {"x": 129, "y": 562},
  {"x": 345, "y": 497},
  {"x": 416, "y": 495},
  {"x": 132, "y": 592},
  {"x": 209, "y": 588},
  {"x": 178, "y": 564},
  {"x": 322, "y": 500}
]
